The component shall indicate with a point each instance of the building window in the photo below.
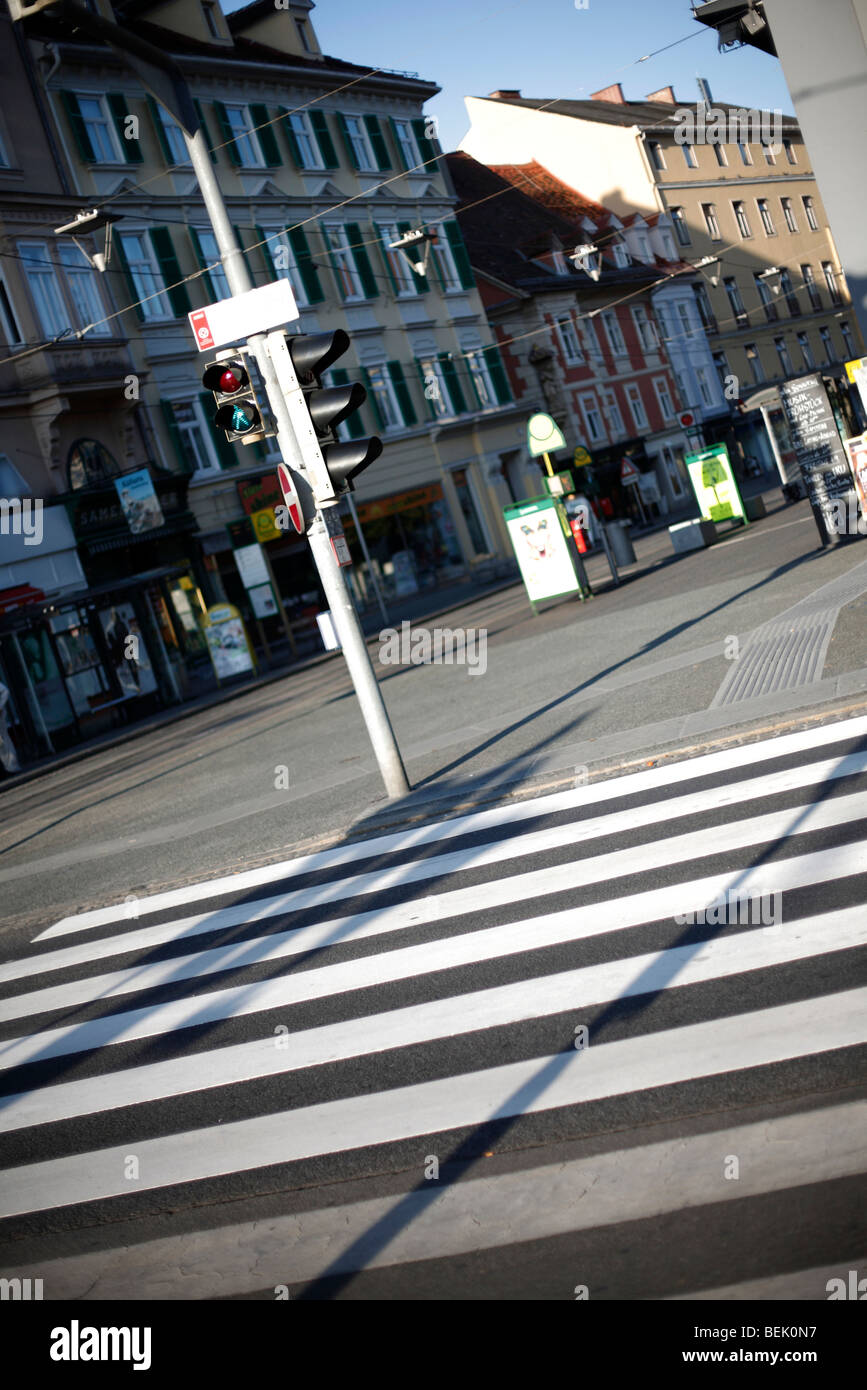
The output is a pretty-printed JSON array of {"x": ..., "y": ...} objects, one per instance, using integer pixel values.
[
  {"x": 646, "y": 329},
  {"x": 767, "y": 150},
  {"x": 241, "y": 129},
  {"x": 194, "y": 436},
  {"x": 403, "y": 133},
  {"x": 44, "y": 285},
  {"x": 8, "y": 320},
  {"x": 620, "y": 254},
  {"x": 209, "y": 258},
  {"x": 831, "y": 282},
  {"x": 308, "y": 148},
  {"x": 615, "y": 419},
  {"x": 788, "y": 290},
  {"x": 704, "y": 386},
  {"x": 145, "y": 274},
  {"x": 98, "y": 125},
  {"x": 720, "y": 361},
  {"x": 680, "y": 227},
  {"x": 301, "y": 28},
  {"x": 810, "y": 213},
  {"x": 385, "y": 396},
  {"x": 765, "y": 215},
  {"x": 791, "y": 153},
  {"x": 481, "y": 378},
  {"x": 356, "y": 135},
  {"x": 741, "y": 219},
  {"x": 811, "y": 286},
  {"x": 848, "y": 342},
  {"x": 569, "y": 340},
  {"x": 445, "y": 260},
  {"x": 689, "y": 157},
  {"x": 755, "y": 362},
  {"x": 663, "y": 395},
  {"x": 705, "y": 312},
  {"x": 211, "y": 18},
  {"x": 615, "y": 337},
  {"x": 82, "y": 284},
  {"x": 636, "y": 405},
  {"x": 687, "y": 324},
  {"x": 766, "y": 297},
  {"x": 278, "y": 250},
  {"x": 709, "y": 210},
  {"x": 436, "y": 387},
  {"x": 746, "y": 153},
  {"x": 657, "y": 158},
  {"x": 592, "y": 418},
  {"x": 173, "y": 136},
  {"x": 722, "y": 158},
  {"x": 734, "y": 295},
  {"x": 825, "y": 335},
  {"x": 348, "y": 279},
  {"x": 806, "y": 351},
  {"x": 405, "y": 279},
  {"x": 783, "y": 354},
  {"x": 789, "y": 214}
]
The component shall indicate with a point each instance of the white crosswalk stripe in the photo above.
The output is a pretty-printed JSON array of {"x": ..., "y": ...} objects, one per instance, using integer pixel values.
[{"x": 391, "y": 998}]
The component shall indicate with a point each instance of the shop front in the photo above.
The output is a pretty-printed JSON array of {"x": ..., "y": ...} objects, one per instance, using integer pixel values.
[{"x": 411, "y": 540}]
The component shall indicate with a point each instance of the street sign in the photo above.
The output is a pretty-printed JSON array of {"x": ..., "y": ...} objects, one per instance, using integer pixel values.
[
  {"x": 290, "y": 497},
  {"x": 544, "y": 435},
  {"x": 581, "y": 456},
  {"x": 713, "y": 482},
  {"x": 629, "y": 474},
  {"x": 334, "y": 527},
  {"x": 256, "y": 311},
  {"x": 686, "y": 420}
]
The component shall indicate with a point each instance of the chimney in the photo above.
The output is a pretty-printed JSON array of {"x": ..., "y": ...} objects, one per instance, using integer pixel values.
[
  {"x": 613, "y": 93},
  {"x": 506, "y": 94},
  {"x": 665, "y": 94}
]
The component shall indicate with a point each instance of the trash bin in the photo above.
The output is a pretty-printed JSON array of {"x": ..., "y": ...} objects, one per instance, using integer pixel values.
[{"x": 621, "y": 542}]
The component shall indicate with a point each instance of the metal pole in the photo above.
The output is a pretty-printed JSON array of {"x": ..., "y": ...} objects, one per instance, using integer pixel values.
[
  {"x": 337, "y": 593},
  {"x": 366, "y": 553}
]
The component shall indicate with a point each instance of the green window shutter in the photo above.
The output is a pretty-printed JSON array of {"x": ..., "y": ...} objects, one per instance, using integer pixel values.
[
  {"x": 377, "y": 140},
  {"x": 306, "y": 269},
  {"x": 429, "y": 148},
  {"x": 422, "y": 376},
  {"x": 459, "y": 251},
  {"x": 175, "y": 435},
  {"x": 362, "y": 261},
  {"x": 226, "y": 133},
  {"x": 498, "y": 374},
  {"x": 354, "y": 424},
  {"x": 265, "y": 135},
  {"x": 170, "y": 269},
  {"x": 401, "y": 390},
  {"x": 159, "y": 129},
  {"x": 341, "y": 121},
  {"x": 420, "y": 282},
  {"x": 323, "y": 139},
  {"x": 69, "y": 101},
  {"x": 453, "y": 385},
  {"x": 205, "y": 131},
  {"x": 117, "y": 243},
  {"x": 205, "y": 279},
  {"x": 371, "y": 399},
  {"x": 266, "y": 247},
  {"x": 291, "y": 139},
  {"x": 228, "y": 455},
  {"x": 401, "y": 162},
  {"x": 119, "y": 107}
]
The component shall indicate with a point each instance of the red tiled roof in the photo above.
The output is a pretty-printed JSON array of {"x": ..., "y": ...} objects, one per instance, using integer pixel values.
[{"x": 539, "y": 183}]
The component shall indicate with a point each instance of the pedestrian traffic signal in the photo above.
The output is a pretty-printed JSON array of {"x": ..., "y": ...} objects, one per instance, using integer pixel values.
[
  {"x": 238, "y": 410},
  {"x": 328, "y": 406}
]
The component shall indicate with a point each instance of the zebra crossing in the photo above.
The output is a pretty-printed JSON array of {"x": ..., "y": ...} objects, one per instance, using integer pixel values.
[{"x": 413, "y": 1019}]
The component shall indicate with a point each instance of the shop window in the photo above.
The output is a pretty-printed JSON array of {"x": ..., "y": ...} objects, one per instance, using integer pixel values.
[{"x": 469, "y": 510}]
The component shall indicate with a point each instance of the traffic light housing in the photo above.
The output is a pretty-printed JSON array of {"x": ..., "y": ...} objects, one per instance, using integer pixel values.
[
  {"x": 327, "y": 407},
  {"x": 238, "y": 410}
]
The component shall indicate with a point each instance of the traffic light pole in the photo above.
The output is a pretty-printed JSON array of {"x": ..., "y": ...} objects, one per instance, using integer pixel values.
[{"x": 337, "y": 592}]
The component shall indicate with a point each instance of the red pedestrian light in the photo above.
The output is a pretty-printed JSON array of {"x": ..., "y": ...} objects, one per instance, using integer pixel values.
[{"x": 229, "y": 382}]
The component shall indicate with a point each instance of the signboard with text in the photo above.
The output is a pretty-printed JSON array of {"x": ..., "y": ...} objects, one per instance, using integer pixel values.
[
  {"x": 713, "y": 482},
  {"x": 824, "y": 465}
]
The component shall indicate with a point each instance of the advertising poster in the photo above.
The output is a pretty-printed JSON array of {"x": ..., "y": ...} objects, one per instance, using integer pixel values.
[
  {"x": 227, "y": 641},
  {"x": 139, "y": 502},
  {"x": 714, "y": 485},
  {"x": 130, "y": 659},
  {"x": 541, "y": 548},
  {"x": 857, "y": 450},
  {"x": 824, "y": 462}
]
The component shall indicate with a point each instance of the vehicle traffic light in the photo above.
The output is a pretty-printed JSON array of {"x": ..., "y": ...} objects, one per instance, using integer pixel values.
[
  {"x": 238, "y": 410},
  {"x": 327, "y": 407}
]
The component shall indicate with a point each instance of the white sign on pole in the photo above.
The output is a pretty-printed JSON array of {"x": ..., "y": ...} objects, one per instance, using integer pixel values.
[{"x": 256, "y": 311}]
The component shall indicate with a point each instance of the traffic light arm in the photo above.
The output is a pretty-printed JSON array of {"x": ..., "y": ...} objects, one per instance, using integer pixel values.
[{"x": 313, "y": 461}]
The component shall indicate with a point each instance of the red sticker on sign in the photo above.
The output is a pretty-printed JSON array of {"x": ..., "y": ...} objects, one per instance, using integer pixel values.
[{"x": 201, "y": 329}]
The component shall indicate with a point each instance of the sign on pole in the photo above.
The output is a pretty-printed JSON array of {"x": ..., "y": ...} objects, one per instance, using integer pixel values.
[
  {"x": 713, "y": 482},
  {"x": 256, "y": 311},
  {"x": 542, "y": 541},
  {"x": 544, "y": 435},
  {"x": 629, "y": 474}
]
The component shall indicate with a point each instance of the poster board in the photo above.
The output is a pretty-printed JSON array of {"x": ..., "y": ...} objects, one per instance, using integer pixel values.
[
  {"x": 228, "y": 645},
  {"x": 713, "y": 482},
  {"x": 543, "y": 547}
]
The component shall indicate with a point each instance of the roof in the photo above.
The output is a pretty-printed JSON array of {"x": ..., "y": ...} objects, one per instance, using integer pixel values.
[
  {"x": 645, "y": 114},
  {"x": 536, "y": 181}
]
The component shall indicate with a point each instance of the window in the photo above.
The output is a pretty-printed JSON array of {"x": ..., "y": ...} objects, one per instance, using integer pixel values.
[
  {"x": 569, "y": 340},
  {"x": 481, "y": 378},
  {"x": 240, "y": 130},
  {"x": 309, "y": 154},
  {"x": 173, "y": 137},
  {"x": 722, "y": 158},
  {"x": 783, "y": 354},
  {"x": 810, "y": 213},
  {"x": 646, "y": 329},
  {"x": 704, "y": 386},
  {"x": 806, "y": 350},
  {"x": 741, "y": 219},
  {"x": 403, "y": 133},
  {"x": 657, "y": 158},
  {"x": 384, "y": 395},
  {"x": 734, "y": 296},
  {"x": 767, "y": 150},
  {"x": 615, "y": 337},
  {"x": 687, "y": 324},
  {"x": 620, "y": 254},
  {"x": 343, "y": 261},
  {"x": 680, "y": 227},
  {"x": 663, "y": 395},
  {"x": 208, "y": 255},
  {"x": 643, "y": 243},
  {"x": 592, "y": 418},
  {"x": 8, "y": 320},
  {"x": 811, "y": 287},
  {"x": 689, "y": 157},
  {"x": 789, "y": 214},
  {"x": 831, "y": 282},
  {"x": 82, "y": 284},
  {"x": 451, "y": 259},
  {"x": 848, "y": 342},
  {"x": 705, "y": 312},
  {"x": 356, "y": 138},
  {"x": 558, "y": 260},
  {"x": 765, "y": 215},
  {"x": 435, "y": 386},
  {"x": 766, "y": 297},
  {"x": 144, "y": 272},
  {"x": 636, "y": 405},
  {"x": 615, "y": 419},
  {"x": 194, "y": 436},
  {"x": 788, "y": 290},
  {"x": 720, "y": 361},
  {"x": 709, "y": 210},
  {"x": 746, "y": 155},
  {"x": 280, "y": 257},
  {"x": 44, "y": 285},
  {"x": 791, "y": 153},
  {"x": 755, "y": 362},
  {"x": 98, "y": 126},
  {"x": 211, "y": 18},
  {"x": 406, "y": 282},
  {"x": 301, "y": 29},
  {"x": 825, "y": 335}
]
